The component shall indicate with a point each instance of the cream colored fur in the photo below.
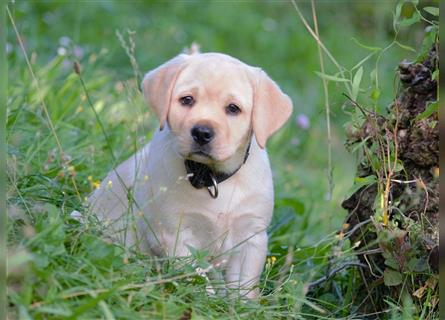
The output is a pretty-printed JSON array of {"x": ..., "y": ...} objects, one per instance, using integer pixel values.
[{"x": 167, "y": 215}]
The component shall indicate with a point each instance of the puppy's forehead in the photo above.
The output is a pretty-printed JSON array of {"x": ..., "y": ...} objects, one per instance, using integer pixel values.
[{"x": 218, "y": 74}]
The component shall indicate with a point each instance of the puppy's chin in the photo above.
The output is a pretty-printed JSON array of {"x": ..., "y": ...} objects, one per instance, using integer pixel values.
[
  {"x": 227, "y": 165},
  {"x": 224, "y": 160}
]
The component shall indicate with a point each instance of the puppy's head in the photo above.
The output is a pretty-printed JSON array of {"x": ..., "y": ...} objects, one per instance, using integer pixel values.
[{"x": 212, "y": 103}]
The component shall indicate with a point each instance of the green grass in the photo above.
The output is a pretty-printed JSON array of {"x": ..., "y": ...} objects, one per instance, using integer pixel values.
[{"x": 59, "y": 268}]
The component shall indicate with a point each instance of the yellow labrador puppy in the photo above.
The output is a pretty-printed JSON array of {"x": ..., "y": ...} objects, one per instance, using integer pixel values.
[{"x": 204, "y": 181}]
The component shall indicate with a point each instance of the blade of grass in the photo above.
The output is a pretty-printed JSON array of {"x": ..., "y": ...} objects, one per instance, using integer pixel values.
[
  {"x": 40, "y": 97},
  {"x": 322, "y": 46},
  {"x": 326, "y": 104}
]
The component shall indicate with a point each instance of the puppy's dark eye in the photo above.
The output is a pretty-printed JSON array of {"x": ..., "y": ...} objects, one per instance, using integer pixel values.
[
  {"x": 187, "y": 101},
  {"x": 233, "y": 109}
]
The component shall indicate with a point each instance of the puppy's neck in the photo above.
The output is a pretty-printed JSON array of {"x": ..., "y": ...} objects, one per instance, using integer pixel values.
[
  {"x": 168, "y": 160},
  {"x": 202, "y": 175}
]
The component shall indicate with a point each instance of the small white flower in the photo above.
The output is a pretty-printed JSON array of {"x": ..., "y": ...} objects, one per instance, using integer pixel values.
[
  {"x": 76, "y": 215},
  {"x": 202, "y": 272},
  {"x": 61, "y": 51}
]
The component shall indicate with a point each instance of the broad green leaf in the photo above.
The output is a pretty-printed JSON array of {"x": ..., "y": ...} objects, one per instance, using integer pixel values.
[
  {"x": 435, "y": 75},
  {"x": 376, "y": 163},
  {"x": 432, "y": 10},
  {"x": 391, "y": 262},
  {"x": 391, "y": 277},
  {"x": 429, "y": 38},
  {"x": 98, "y": 251},
  {"x": 360, "y": 182},
  {"x": 356, "y": 83},
  {"x": 410, "y": 21},
  {"x": 417, "y": 264},
  {"x": 331, "y": 78},
  {"x": 365, "y": 180},
  {"x": 397, "y": 15},
  {"x": 429, "y": 110}
]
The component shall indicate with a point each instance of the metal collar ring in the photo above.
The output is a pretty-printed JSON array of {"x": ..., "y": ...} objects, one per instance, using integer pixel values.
[{"x": 213, "y": 192}]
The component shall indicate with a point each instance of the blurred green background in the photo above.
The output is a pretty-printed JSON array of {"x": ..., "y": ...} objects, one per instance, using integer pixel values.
[{"x": 116, "y": 42}]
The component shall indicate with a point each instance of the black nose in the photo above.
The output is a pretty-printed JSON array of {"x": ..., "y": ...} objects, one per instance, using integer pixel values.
[{"x": 202, "y": 134}]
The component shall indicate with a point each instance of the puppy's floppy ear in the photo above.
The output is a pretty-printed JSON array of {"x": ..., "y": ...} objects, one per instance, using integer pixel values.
[
  {"x": 271, "y": 107},
  {"x": 158, "y": 84}
]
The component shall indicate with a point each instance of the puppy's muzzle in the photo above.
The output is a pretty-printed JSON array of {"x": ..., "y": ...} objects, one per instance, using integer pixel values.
[{"x": 202, "y": 135}]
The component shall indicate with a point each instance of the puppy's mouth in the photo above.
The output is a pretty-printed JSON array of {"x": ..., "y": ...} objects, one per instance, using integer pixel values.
[{"x": 200, "y": 156}]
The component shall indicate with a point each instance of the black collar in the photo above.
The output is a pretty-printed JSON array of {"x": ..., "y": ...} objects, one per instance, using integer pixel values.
[{"x": 201, "y": 175}]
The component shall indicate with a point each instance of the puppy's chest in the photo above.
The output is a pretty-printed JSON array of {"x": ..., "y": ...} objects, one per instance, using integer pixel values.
[
  {"x": 195, "y": 207},
  {"x": 186, "y": 208},
  {"x": 183, "y": 221}
]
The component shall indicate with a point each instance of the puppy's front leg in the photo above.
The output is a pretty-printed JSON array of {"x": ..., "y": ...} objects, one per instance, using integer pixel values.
[{"x": 246, "y": 264}]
